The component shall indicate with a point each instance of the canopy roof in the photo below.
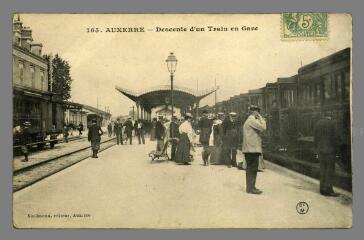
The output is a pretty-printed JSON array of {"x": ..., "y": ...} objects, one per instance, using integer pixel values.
[{"x": 161, "y": 95}]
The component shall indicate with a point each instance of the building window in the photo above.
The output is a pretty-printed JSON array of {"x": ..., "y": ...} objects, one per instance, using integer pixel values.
[
  {"x": 42, "y": 79},
  {"x": 32, "y": 74},
  {"x": 21, "y": 72}
]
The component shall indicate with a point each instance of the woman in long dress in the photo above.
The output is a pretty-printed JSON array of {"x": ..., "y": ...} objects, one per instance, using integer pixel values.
[
  {"x": 185, "y": 141},
  {"x": 216, "y": 142},
  {"x": 152, "y": 130}
]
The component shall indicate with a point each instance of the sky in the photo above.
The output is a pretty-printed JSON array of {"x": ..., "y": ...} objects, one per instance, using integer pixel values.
[{"x": 238, "y": 60}]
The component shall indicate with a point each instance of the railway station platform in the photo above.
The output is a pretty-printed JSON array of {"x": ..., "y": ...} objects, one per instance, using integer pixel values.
[{"x": 123, "y": 189}]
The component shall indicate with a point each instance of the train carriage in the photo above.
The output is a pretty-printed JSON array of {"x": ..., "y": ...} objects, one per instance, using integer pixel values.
[
  {"x": 324, "y": 86},
  {"x": 38, "y": 108}
]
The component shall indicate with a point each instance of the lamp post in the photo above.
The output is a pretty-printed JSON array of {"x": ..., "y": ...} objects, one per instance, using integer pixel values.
[{"x": 171, "y": 65}]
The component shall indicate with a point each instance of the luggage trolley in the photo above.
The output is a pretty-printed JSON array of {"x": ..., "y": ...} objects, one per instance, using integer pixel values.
[{"x": 162, "y": 154}]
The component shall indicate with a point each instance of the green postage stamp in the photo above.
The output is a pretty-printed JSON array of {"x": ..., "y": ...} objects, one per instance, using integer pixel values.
[{"x": 304, "y": 26}]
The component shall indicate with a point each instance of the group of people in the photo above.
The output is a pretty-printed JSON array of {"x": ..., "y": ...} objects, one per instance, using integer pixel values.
[
  {"x": 220, "y": 137},
  {"x": 124, "y": 130},
  {"x": 70, "y": 128}
]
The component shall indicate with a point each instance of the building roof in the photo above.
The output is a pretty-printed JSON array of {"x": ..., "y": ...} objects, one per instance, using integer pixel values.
[
  {"x": 160, "y": 95},
  {"x": 292, "y": 79},
  {"x": 259, "y": 90},
  {"x": 95, "y": 110}
]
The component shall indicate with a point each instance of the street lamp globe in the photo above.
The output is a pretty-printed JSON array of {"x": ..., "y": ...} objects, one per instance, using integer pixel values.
[{"x": 171, "y": 63}]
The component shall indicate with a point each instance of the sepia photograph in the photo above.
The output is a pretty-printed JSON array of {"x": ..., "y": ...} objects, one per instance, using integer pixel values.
[{"x": 182, "y": 121}]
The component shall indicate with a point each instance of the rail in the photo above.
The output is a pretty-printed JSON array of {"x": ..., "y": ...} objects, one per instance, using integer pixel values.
[{"x": 49, "y": 141}]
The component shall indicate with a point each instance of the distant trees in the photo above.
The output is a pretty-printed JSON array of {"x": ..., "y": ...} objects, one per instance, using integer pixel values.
[{"x": 61, "y": 78}]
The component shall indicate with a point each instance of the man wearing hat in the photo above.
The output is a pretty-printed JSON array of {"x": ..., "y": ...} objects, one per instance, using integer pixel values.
[
  {"x": 231, "y": 138},
  {"x": 129, "y": 130},
  {"x": 94, "y": 136},
  {"x": 326, "y": 143},
  {"x": 253, "y": 127},
  {"x": 109, "y": 129},
  {"x": 118, "y": 129},
  {"x": 204, "y": 125}
]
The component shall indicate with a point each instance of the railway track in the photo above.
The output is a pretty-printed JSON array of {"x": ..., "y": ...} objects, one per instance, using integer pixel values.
[
  {"x": 26, "y": 176},
  {"x": 33, "y": 148}
]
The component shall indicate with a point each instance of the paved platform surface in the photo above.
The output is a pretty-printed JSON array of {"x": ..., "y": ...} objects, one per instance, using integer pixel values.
[{"x": 122, "y": 189}]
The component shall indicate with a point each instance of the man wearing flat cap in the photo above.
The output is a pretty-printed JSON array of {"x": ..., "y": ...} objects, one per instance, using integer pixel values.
[
  {"x": 118, "y": 130},
  {"x": 253, "y": 127},
  {"x": 94, "y": 136},
  {"x": 231, "y": 136}
]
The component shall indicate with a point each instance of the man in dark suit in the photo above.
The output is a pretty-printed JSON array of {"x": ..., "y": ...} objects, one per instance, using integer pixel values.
[
  {"x": 94, "y": 136},
  {"x": 139, "y": 131},
  {"x": 118, "y": 130},
  {"x": 129, "y": 130},
  {"x": 326, "y": 143},
  {"x": 205, "y": 127},
  {"x": 174, "y": 135},
  {"x": 231, "y": 137}
]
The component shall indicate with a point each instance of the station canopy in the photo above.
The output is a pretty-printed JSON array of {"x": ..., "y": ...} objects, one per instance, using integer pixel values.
[{"x": 161, "y": 95}]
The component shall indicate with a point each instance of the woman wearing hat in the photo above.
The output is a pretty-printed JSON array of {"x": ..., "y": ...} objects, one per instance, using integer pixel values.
[
  {"x": 216, "y": 140},
  {"x": 185, "y": 141}
]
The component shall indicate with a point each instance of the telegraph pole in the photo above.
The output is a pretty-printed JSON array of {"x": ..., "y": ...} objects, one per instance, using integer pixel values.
[{"x": 215, "y": 92}]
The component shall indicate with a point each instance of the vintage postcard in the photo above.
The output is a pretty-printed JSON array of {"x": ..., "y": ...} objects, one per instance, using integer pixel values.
[{"x": 182, "y": 121}]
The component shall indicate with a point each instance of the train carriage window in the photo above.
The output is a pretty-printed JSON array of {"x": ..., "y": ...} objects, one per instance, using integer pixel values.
[
  {"x": 328, "y": 94},
  {"x": 338, "y": 85},
  {"x": 333, "y": 87},
  {"x": 318, "y": 94},
  {"x": 311, "y": 93},
  {"x": 292, "y": 102},
  {"x": 285, "y": 100},
  {"x": 347, "y": 85}
]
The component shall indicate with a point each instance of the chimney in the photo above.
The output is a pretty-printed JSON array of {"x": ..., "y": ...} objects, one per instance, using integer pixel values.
[
  {"x": 17, "y": 26},
  {"x": 26, "y": 37},
  {"x": 36, "y": 48},
  {"x": 26, "y": 32}
]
